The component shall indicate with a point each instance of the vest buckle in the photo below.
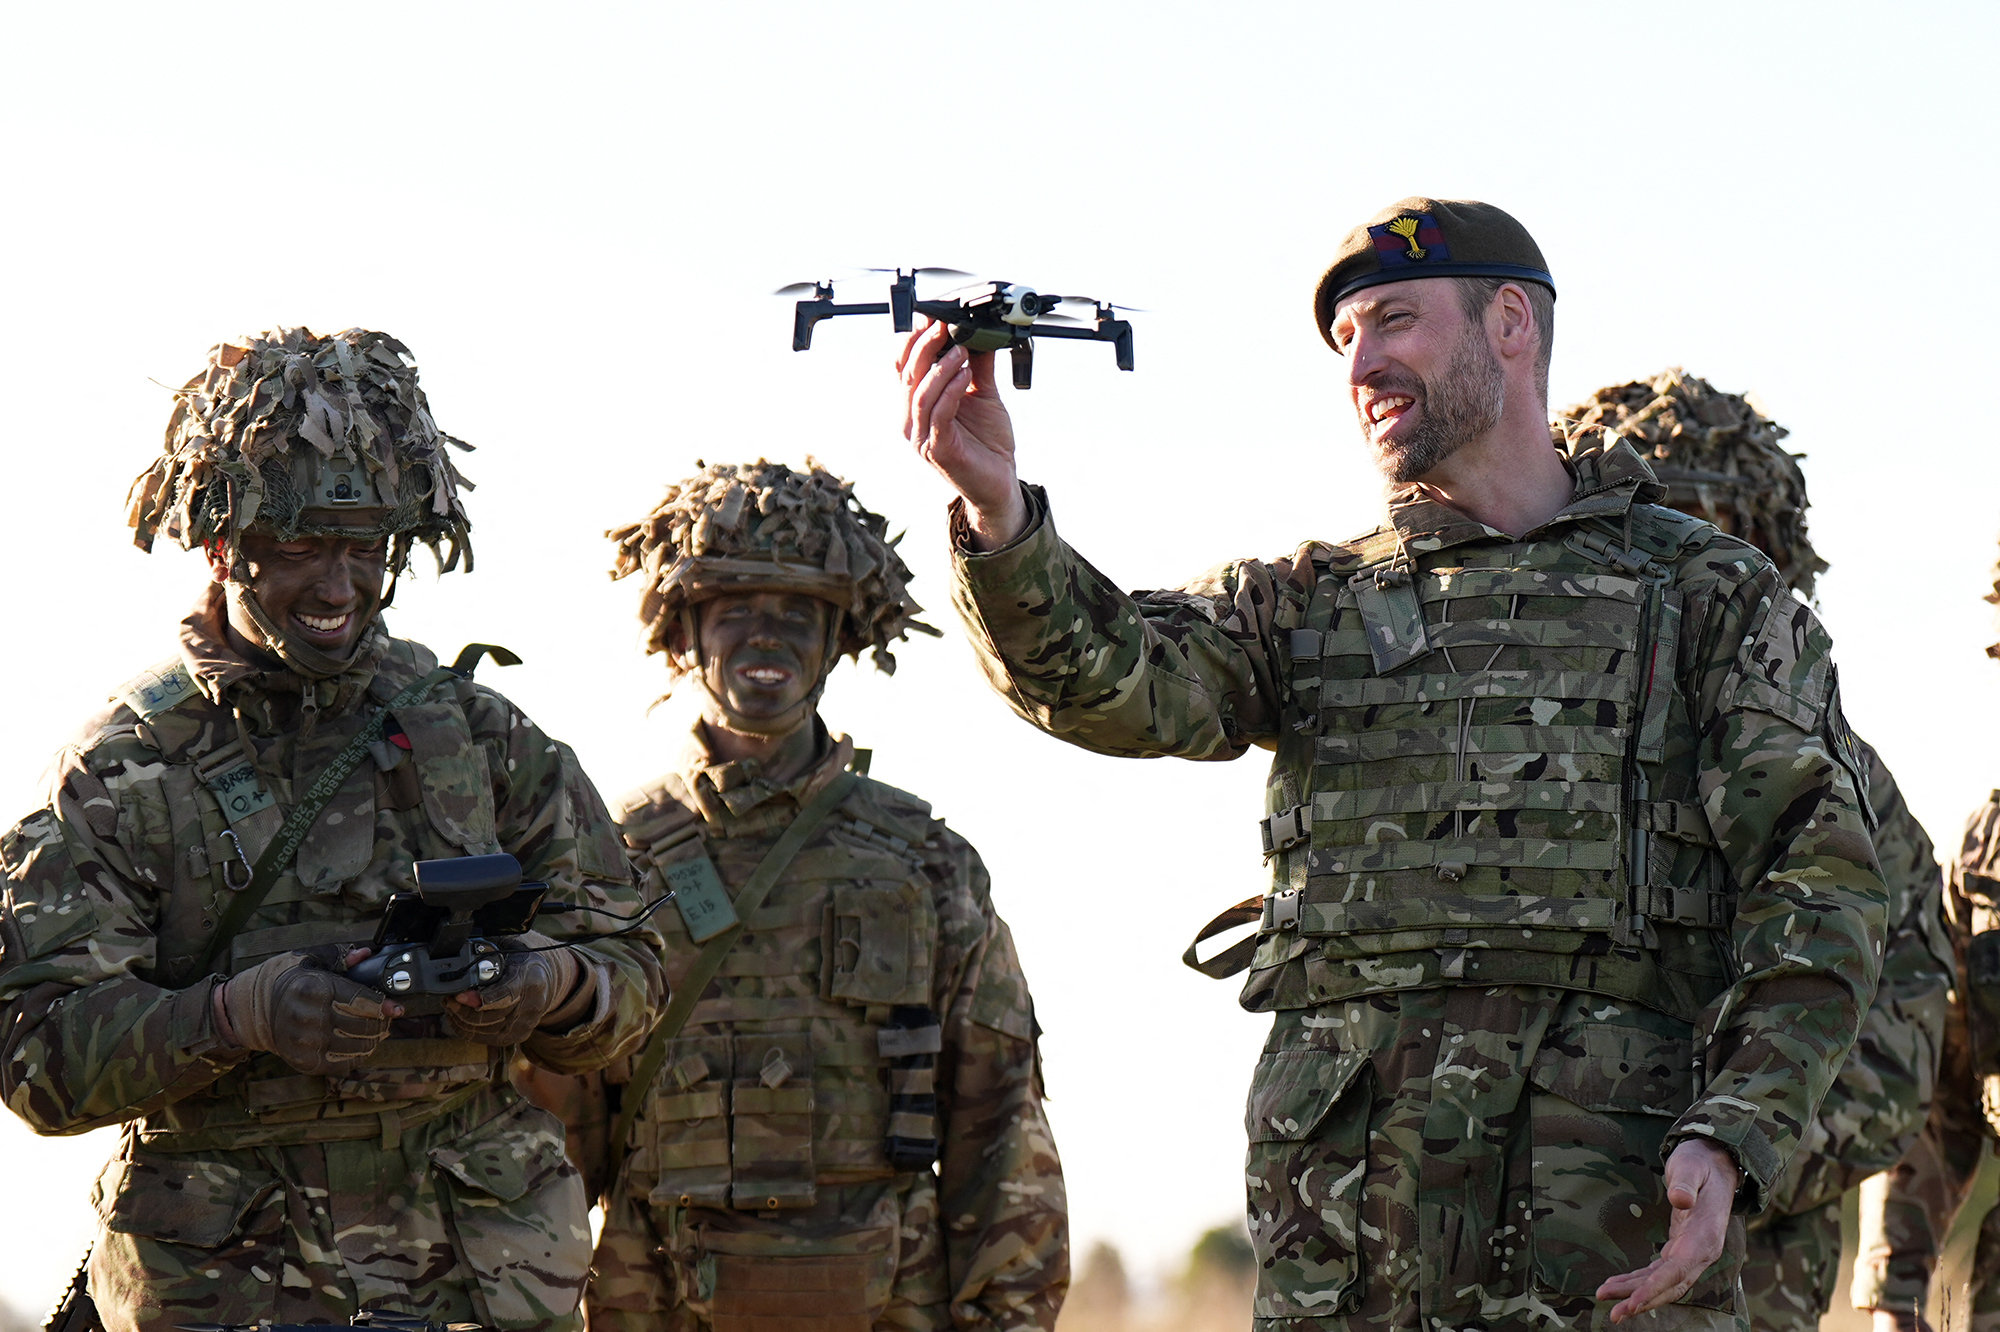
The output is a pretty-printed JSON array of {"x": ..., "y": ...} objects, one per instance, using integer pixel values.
[
  {"x": 1281, "y": 910},
  {"x": 1286, "y": 829}
]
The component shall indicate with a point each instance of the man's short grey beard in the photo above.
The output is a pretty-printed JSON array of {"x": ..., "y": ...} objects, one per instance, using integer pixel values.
[{"x": 1465, "y": 402}]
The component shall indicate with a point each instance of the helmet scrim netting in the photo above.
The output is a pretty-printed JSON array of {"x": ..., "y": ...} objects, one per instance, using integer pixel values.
[
  {"x": 272, "y": 412},
  {"x": 755, "y": 527},
  {"x": 1717, "y": 456}
]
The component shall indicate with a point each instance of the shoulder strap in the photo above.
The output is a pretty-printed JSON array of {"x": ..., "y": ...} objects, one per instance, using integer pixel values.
[
  {"x": 314, "y": 799},
  {"x": 680, "y": 1005}
]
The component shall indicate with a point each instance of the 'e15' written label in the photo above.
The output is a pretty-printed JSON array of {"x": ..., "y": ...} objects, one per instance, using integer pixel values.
[{"x": 698, "y": 891}]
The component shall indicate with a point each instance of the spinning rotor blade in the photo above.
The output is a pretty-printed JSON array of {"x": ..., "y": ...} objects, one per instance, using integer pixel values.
[
  {"x": 799, "y": 289},
  {"x": 1060, "y": 319},
  {"x": 923, "y": 272},
  {"x": 1096, "y": 304}
]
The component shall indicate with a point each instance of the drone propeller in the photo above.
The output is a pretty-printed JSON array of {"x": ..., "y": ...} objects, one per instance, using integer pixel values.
[
  {"x": 800, "y": 288},
  {"x": 1096, "y": 304},
  {"x": 923, "y": 272},
  {"x": 1060, "y": 319}
]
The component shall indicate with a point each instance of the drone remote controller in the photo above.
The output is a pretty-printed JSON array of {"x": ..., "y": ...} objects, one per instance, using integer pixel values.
[{"x": 440, "y": 940}]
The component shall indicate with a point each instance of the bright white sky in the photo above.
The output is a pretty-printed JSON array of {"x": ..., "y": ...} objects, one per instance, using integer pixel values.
[{"x": 573, "y": 214}]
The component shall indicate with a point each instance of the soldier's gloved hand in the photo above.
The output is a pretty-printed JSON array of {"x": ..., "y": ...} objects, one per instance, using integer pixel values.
[
  {"x": 300, "y": 1008},
  {"x": 549, "y": 988}
]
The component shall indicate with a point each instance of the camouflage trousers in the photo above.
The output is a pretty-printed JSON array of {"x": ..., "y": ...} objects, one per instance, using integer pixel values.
[
  {"x": 865, "y": 1256},
  {"x": 1456, "y": 1158},
  {"x": 476, "y": 1216},
  {"x": 1791, "y": 1267}
]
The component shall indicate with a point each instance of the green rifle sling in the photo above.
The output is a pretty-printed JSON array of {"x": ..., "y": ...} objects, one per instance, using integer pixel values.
[
  {"x": 315, "y": 797},
  {"x": 680, "y": 1006}
]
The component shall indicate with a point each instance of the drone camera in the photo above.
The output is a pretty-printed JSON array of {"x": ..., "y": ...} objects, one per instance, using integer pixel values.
[{"x": 1021, "y": 305}]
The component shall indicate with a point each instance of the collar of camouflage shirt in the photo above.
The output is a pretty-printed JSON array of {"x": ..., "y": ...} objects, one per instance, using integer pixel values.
[
  {"x": 222, "y": 673},
  {"x": 733, "y": 789},
  {"x": 1609, "y": 480}
]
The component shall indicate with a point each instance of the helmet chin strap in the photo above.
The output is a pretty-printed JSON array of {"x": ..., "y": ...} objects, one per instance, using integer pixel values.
[
  {"x": 303, "y": 659},
  {"x": 792, "y": 717}
]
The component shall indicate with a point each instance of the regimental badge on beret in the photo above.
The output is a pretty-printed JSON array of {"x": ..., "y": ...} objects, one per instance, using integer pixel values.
[{"x": 1409, "y": 239}]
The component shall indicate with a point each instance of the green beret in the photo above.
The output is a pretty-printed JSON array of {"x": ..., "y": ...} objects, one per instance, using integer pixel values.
[{"x": 1421, "y": 238}]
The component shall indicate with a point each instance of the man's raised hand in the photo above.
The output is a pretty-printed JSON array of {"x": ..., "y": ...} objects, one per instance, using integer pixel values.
[{"x": 952, "y": 413}]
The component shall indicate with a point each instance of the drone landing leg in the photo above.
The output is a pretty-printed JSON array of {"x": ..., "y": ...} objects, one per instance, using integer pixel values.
[{"x": 1022, "y": 355}]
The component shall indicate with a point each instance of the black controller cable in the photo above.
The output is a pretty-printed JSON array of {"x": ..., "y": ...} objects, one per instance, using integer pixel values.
[{"x": 637, "y": 920}]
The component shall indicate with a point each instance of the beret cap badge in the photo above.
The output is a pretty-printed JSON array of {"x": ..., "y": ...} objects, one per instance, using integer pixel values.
[
  {"x": 1406, "y": 227},
  {"x": 1408, "y": 240}
]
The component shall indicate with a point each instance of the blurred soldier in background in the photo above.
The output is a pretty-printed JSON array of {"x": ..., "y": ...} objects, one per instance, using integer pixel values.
[
  {"x": 1907, "y": 1213},
  {"x": 1720, "y": 459},
  {"x": 848, "y": 1131},
  {"x": 217, "y": 848},
  {"x": 1573, "y": 909}
]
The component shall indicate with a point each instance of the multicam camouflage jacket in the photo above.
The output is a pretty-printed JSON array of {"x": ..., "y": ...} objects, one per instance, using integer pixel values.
[
  {"x": 1583, "y": 799},
  {"x": 1877, "y": 1103},
  {"x": 161, "y": 804},
  {"x": 872, "y": 1019},
  {"x": 113, "y": 894},
  {"x": 1875, "y": 1110}
]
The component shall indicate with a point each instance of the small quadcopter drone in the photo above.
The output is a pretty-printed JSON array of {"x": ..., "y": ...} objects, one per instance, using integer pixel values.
[{"x": 984, "y": 317}]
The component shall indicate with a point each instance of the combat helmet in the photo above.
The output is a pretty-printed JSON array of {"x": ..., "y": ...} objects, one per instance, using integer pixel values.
[
  {"x": 292, "y": 434},
  {"x": 1718, "y": 456},
  {"x": 763, "y": 527}
]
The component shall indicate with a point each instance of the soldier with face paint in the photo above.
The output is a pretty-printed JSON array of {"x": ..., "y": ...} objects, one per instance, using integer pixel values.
[
  {"x": 848, "y": 1131},
  {"x": 217, "y": 848}
]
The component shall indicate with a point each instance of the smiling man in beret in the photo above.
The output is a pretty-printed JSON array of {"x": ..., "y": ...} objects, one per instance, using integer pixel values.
[{"x": 1573, "y": 905}]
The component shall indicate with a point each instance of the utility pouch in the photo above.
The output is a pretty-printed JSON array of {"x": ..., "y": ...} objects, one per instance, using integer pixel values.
[
  {"x": 771, "y": 1112},
  {"x": 689, "y": 1113},
  {"x": 1392, "y": 616}
]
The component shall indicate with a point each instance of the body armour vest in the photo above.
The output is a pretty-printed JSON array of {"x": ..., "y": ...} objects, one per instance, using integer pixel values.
[
  {"x": 812, "y": 1057},
  {"x": 211, "y": 806},
  {"x": 1487, "y": 776}
]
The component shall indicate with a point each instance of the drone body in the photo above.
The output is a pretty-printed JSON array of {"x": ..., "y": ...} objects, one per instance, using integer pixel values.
[{"x": 990, "y": 316}]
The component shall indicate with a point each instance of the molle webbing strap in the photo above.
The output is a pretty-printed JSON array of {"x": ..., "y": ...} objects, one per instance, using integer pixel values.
[
  {"x": 1235, "y": 957},
  {"x": 1292, "y": 827},
  {"x": 792, "y": 1294},
  {"x": 681, "y": 1004},
  {"x": 1462, "y": 851},
  {"x": 1375, "y": 691},
  {"x": 315, "y": 797},
  {"x": 1418, "y": 741}
]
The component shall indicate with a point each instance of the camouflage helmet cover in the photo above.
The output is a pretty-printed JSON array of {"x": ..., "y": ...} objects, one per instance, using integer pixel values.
[
  {"x": 293, "y": 434},
  {"x": 762, "y": 527},
  {"x": 1717, "y": 455}
]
